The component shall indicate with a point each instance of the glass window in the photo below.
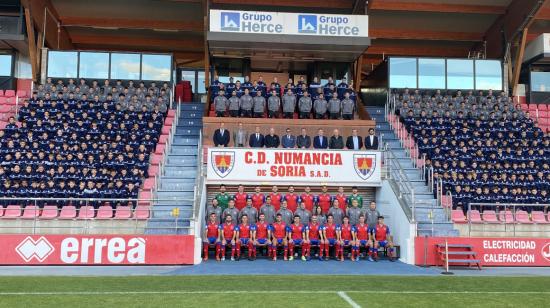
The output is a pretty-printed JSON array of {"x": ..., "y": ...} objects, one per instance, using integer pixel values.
[
  {"x": 5, "y": 65},
  {"x": 125, "y": 66},
  {"x": 156, "y": 67},
  {"x": 189, "y": 76},
  {"x": 540, "y": 81},
  {"x": 62, "y": 64},
  {"x": 94, "y": 65},
  {"x": 431, "y": 73},
  {"x": 460, "y": 74},
  {"x": 402, "y": 73},
  {"x": 488, "y": 75},
  {"x": 201, "y": 86}
]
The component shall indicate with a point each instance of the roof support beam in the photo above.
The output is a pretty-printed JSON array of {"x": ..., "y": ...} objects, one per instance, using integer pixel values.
[
  {"x": 138, "y": 42},
  {"x": 519, "y": 15},
  {"x": 519, "y": 61},
  {"x": 46, "y": 18},
  {"x": 131, "y": 23},
  {"x": 383, "y": 5},
  {"x": 32, "y": 44},
  {"x": 425, "y": 35},
  {"x": 325, "y": 4}
]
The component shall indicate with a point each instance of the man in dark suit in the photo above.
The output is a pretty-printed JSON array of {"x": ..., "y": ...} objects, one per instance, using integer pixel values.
[
  {"x": 303, "y": 141},
  {"x": 320, "y": 141},
  {"x": 221, "y": 136},
  {"x": 336, "y": 141},
  {"x": 354, "y": 142},
  {"x": 271, "y": 140},
  {"x": 288, "y": 141},
  {"x": 256, "y": 140},
  {"x": 371, "y": 141}
]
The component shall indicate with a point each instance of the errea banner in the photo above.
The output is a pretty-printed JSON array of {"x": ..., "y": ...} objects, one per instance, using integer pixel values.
[
  {"x": 289, "y": 23},
  {"x": 293, "y": 166},
  {"x": 20, "y": 249}
]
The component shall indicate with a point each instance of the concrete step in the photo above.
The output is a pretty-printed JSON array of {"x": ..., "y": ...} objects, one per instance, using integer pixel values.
[
  {"x": 181, "y": 140},
  {"x": 185, "y": 212},
  {"x": 181, "y": 196},
  {"x": 191, "y": 114},
  {"x": 190, "y": 122},
  {"x": 176, "y": 184},
  {"x": 192, "y": 106},
  {"x": 181, "y": 172},
  {"x": 182, "y": 160},
  {"x": 183, "y": 149},
  {"x": 187, "y": 131}
]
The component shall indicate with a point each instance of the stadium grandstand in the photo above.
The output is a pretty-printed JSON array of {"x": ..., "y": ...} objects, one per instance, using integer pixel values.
[{"x": 274, "y": 140}]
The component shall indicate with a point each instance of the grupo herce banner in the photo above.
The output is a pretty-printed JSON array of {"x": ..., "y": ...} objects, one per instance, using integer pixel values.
[{"x": 293, "y": 166}]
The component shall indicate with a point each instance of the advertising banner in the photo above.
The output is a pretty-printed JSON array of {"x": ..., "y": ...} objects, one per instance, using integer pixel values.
[
  {"x": 289, "y": 23},
  {"x": 291, "y": 166},
  {"x": 491, "y": 251},
  {"x": 20, "y": 249}
]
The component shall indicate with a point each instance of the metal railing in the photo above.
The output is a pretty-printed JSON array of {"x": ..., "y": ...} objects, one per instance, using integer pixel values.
[
  {"x": 506, "y": 215},
  {"x": 398, "y": 174},
  {"x": 88, "y": 216}
]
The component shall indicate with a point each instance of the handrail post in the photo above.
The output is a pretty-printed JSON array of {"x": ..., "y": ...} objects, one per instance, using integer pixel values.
[{"x": 413, "y": 206}]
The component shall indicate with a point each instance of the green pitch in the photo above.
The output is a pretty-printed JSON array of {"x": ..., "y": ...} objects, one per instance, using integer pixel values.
[{"x": 274, "y": 291}]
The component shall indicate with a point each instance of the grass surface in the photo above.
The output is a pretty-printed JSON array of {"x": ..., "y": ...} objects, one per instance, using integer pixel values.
[{"x": 274, "y": 291}]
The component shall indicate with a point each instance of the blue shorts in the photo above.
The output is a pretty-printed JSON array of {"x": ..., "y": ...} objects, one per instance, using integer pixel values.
[
  {"x": 346, "y": 242},
  {"x": 297, "y": 242},
  {"x": 314, "y": 242},
  {"x": 262, "y": 241},
  {"x": 363, "y": 243},
  {"x": 244, "y": 241},
  {"x": 383, "y": 243},
  {"x": 331, "y": 241},
  {"x": 228, "y": 240},
  {"x": 212, "y": 240},
  {"x": 279, "y": 241}
]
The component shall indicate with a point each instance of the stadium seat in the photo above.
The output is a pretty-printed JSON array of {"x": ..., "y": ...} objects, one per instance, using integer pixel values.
[
  {"x": 1, "y": 92},
  {"x": 21, "y": 93},
  {"x": 123, "y": 212},
  {"x": 145, "y": 197},
  {"x": 524, "y": 107},
  {"x": 163, "y": 139},
  {"x": 490, "y": 216},
  {"x": 543, "y": 114},
  {"x": 166, "y": 130},
  {"x": 49, "y": 212},
  {"x": 542, "y": 107},
  {"x": 104, "y": 212},
  {"x": 142, "y": 212},
  {"x": 156, "y": 159},
  {"x": 539, "y": 217},
  {"x": 149, "y": 183},
  {"x": 474, "y": 216},
  {"x": 446, "y": 201},
  {"x": 12, "y": 211},
  {"x": 532, "y": 108},
  {"x": 86, "y": 212},
  {"x": 67, "y": 212},
  {"x": 543, "y": 122},
  {"x": 458, "y": 216},
  {"x": 169, "y": 121},
  {"x": 3, "y": 100},
  {"x": 30, "y": 212},
  {"x": 523, "y": 217},
  {"x": 171, "y": 113},
  {"x": 153, "y": 171},
  {"x": 506, "y": 216},
  {"x": 9, "y": 93},
  {"x": 160, "y": 149}
]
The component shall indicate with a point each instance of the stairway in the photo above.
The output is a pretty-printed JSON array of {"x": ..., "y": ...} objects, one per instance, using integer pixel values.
[
  {"x": 177, "y": 181},
  {"x": 425, "y": 203},
  {"x": 457, "y": 255}
]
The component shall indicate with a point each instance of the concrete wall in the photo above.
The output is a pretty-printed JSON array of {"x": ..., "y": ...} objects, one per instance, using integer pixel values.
[
  {"x": 504, "y": 230},
  {"x": 28, "y": 226},
  {"x": 403, "y": 231}
]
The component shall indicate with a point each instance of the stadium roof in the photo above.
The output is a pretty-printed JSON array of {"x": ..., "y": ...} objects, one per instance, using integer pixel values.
[{"x": 451, "y": 28}]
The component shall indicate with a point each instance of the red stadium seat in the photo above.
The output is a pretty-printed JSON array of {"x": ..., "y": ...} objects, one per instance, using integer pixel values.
[
  {"x": 163, "y": 139},
  {"x": 1, "y": 208},
  {"x": 1, "y": 92},
  {"x": 49, "y": 212},
  {"x": 543, "y": 114},
  {"x": 543, "y": 122},
  {"x": 166, "y": 129},
  {"x": 21, "y": 93},
  {"x": 123, "y": 212},
  {"x": 458, "y": 216},
  {"x": 524, "y": 107},
  {"x": 142, "y": 212},
  {"x": 3, "y": 100},
  {"x": 160, "y": 148},
  {"x": 12, "y": 211},
  {"x": 149, "y": 183},
  {"x": 490, "y": 216},
  {"x": 9, "y": 93},
  {"x": 474, "y": 216},
  {"x": 539, "y": 217},
  {"x": 532, "y": 107},
  {"x": 86, "y": 212},
  {"x": 104, "y": 212},
  {"x": 30, "y": 212},
  {"x": 543, "y": 107},
  {"x": 156, "y": 159},
  {"x": 67, "y": 212},
  {"x": 171, "y": 113},
  {"x": 153, "y": 171},
  {"x": 506, "y": 216},
  {"x": 446, "y": 201},
  {"x": 523, "y": 217},
  {"x": 169, "y": 121}
]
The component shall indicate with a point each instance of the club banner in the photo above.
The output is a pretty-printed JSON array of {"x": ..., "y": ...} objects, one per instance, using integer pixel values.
[
  {"x": 491, "y": 251},
  {"x": 96, "y": 249},
  {"x": 289, "y": 23},
  {"x": 292, "y": 166}
]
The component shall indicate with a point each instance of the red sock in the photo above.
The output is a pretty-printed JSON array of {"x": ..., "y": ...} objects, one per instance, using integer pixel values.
[
  {"x": 337, "y": 250},
  {"x": 305, "y": 248},
  {"x": 238, "y": 249},
  {"x": 250, "y": 247},
  {"x": 205, "y": 249},
  {"x": 223, "y": 251},
  {"x": 291, "y": 246},
  {"x": 233, "y": 250},
  {"x": 218, "y": 250},
  {"x": 286, "y": 251}
]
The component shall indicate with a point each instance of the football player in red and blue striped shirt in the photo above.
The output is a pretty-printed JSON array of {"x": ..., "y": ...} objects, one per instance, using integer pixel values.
[
  {"x": 308, "y": 199},
  {"x": 243, "y": 235},
  {"x": 227, "y": 237},
  {"x": 292, "y": 199},
  {"x": 314, "y": 238},
  {"x": 240, "y": 198},
  {"x": 276, "y": 198},
  {"x": 346, "y": 237},
  {"x": 330, "y": 236},
  {"x": 262, "y": 235},
  {"x": 382, "y": 238},
  {"x": 278, "y": 233},
  {"x": 211, "y": 236},
  {"x": 258, "y": 198},
  {"x": 296, "y": 237},
  {"x": 324, "y": 200},
  {"x": 362, "y": 238}
]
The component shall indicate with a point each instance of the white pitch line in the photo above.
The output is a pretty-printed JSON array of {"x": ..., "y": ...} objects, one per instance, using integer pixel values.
[
  {"x": 264, "y": 292},
  {"x": 348, "y": 299}
]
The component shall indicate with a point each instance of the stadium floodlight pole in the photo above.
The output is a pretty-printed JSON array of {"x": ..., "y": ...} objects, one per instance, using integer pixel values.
[{"x": 446, "y": 271}]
